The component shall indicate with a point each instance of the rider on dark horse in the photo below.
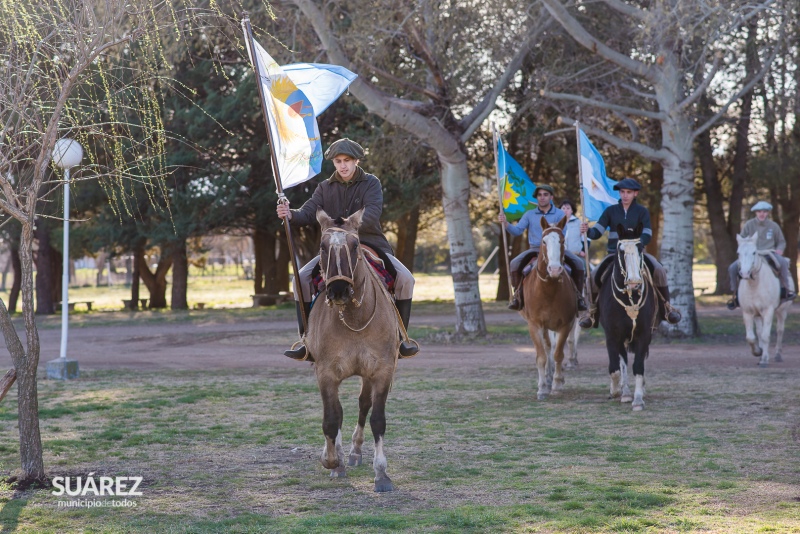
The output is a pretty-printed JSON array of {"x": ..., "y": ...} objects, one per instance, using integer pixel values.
[
  {"x": 628, "y": 213},
  {"x": 348, "y": 190},
  {"x": 532, "y": 221}
]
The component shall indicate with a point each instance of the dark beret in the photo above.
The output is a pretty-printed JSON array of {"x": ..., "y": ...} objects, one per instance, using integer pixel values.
[
  {"x": 543, "y": 187},
  {"x": 628, "y": 183},
  {"x": 344, "y": 146}
]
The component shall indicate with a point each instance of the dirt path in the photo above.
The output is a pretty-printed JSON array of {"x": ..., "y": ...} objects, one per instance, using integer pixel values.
[{"x": 254, "y": 344}]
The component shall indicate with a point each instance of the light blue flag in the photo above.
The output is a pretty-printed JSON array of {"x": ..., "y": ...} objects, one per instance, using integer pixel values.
[
  {"x": 321, "y": 83},
  {"x": 515, "y": 185},
  {"x": 598, "y": 189}
]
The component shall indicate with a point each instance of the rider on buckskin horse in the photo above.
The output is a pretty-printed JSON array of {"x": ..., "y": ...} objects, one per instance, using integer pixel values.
[
  {"x": 348, "y": 190},
  {"x": 628, "y": 213},
  {"x": 770, "y": 237},
  {"x": 532, "y": 221}
]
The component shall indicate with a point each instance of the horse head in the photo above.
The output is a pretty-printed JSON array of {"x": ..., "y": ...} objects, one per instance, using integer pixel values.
[
  {"x": 749, "y": 258},
  {"x": 339, "y": 255},
  {"x": 552, "y": 248},
  {"x": 629, "y": 256}
]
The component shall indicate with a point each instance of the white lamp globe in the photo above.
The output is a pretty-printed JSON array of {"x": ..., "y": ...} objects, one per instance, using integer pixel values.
[{"x": 67, "y": 153}]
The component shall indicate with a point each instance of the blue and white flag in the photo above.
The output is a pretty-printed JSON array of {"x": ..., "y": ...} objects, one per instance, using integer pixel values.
[
  {"x": 598, "y": 189},
  {"x": 293, "y": 97}
]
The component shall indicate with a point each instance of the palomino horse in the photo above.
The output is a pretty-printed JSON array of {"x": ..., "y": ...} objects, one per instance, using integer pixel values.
[
  {"x": 628, "y": 306},
  {"x": 550, "y": 304},
  {"x": 355, "y": 333},
  {"x": 759, "y": 297}
]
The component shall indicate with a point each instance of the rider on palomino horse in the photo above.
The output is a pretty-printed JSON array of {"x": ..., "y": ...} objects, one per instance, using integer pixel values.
[
  {"x": 532, "y": 221},
  {"x": 628, "y": 213},
  {"x": 771, "y": 238},
  {"x": 348, "y": 190}
]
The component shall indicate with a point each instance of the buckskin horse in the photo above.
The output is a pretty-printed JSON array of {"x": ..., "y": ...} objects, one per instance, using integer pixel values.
[
  {"x": 355, "y": 333},
  {"x": 759, "y": 297},
  {"x": 627, "y": 307},
  {"x": 550, "y": 303}
]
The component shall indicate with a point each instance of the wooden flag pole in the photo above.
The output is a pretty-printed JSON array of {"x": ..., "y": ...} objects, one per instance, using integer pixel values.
[
  {"x": 588, "y": 284},
  {"x": 275, "y": 169},
  {"x": 495, "y": 138}
]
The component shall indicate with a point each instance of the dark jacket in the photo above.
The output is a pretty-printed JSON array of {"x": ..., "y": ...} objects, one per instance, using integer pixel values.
[
  {"x": 615, "y": 215},
  {"x": 340, "y": 199}
]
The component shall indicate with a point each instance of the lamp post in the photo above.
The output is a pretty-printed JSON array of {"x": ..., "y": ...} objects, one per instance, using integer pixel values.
[{"x": 67, "y": 153}]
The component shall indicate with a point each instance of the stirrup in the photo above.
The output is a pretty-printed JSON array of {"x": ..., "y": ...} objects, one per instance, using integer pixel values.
[
  {"x": 582, "y": 304},
  {"x": 733, "y": 303},
  {"x": 408, "y": 349},
  {"x": 673, "y": 315},
  {"x": 588, "y": 321},
  {"x": 791, "y": 295},
  {"x": 299, "y": 353}
]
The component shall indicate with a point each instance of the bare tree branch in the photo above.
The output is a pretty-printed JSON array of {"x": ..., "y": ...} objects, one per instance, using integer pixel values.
[{"x": 657, "y": 115}]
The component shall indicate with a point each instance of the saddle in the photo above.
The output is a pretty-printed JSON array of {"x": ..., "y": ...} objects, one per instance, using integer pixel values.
[
  {"x": 378, "y": 261},
  {"x": 773, "y": 262}
]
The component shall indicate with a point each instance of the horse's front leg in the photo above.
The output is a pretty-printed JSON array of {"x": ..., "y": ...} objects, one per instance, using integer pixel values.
[
  {"x": 558, "y": 357},
  {"x": 640, "y": 355},
  {"x": 750, "y": 334},
  {"x": 764, "y": 331},
  {"x": 615, "y": 350},
  {"x": 626, "y": 395},
  {"x": 537, "y": 336},
  {"x": 572, "y": 344},
  {"x": 364, "y": 405},
  {"x": 377, "y": 422},
  {"x": 332, "y": 454}
]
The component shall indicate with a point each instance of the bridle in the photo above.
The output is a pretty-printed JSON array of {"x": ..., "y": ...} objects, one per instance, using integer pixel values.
[
  {"x": 758, "y": 261},
  {"x": 629, "y": 248},
  {"x": 336, "y": 245}
]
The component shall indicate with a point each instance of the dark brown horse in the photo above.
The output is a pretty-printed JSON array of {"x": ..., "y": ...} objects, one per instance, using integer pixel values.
[
  {"x": 550, "y": 304},
  {"x": 354, "y": 333},
  {"x": 628, "y": 306}
]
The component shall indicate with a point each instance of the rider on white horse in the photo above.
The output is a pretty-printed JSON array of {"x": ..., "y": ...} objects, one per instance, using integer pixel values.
[{"x": 770, "y": 238}]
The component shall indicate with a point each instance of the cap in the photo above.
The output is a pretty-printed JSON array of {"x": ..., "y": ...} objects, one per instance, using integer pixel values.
[
  {"x": 344, "y": 146},
  {"x": 544, "y": 187},
  {"x": 761, "y": 205},
  {"x": 627, "y": 183}
]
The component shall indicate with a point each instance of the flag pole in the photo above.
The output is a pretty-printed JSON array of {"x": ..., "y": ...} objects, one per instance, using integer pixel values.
[
  {"x": 275, "y": 169},
  {"x": 588, "y": 284},
  {"x": 495, "y": 138}
]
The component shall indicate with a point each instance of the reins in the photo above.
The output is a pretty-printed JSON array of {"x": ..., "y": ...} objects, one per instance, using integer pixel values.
[{"x": 635, "y": 306}]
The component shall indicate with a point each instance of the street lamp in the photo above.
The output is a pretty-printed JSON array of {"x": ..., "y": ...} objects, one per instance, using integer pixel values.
[{"x": 67, "y": 153}]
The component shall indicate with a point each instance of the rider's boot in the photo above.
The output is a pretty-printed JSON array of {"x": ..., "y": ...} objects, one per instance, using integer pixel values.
[
  {"x": 579, "y": 283},
  {"x": 516, "y": 298},
  {"x": 672, "y": 315},
  {"x": 300, "y": 352},
  {"x": 407, "y": 349},
  {"x": 733, "y": 303}
]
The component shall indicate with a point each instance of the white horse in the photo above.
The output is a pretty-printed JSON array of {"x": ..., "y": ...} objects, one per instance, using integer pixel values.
[{"x": 759, "y": 298}]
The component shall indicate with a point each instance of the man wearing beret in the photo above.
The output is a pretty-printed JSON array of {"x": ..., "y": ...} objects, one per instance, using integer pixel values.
[
  {"x": 348, "y": 190},
  {"x": 628, "y": 213},
  {"x": 770, "y": 237},
  {"x": 532, "y": 221}
]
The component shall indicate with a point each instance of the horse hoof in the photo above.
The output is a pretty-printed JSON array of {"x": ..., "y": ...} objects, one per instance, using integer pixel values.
[
  {"x": 638, "y": 407},
  {"x": 355, "y": 459},
  {"x": 339, "y": 472},
  {"x": 778, "y": 358},
  {"x": 757, "y": 353},
  {"x": 383, "y": 485},
  {"x": 626, "y": 398},
  {"x": 763, "y": 365},
  {"x": 541, "y": 396}
]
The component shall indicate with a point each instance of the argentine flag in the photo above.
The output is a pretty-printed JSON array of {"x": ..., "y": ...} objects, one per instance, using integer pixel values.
[{"x": 598, "y": 189}]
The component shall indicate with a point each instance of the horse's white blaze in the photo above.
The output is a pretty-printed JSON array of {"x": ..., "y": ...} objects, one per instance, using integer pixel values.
[
  {"x": 379, "y": 463},
  {"x": 553, "y": 247},
  {"x": 633, "y": 261}
]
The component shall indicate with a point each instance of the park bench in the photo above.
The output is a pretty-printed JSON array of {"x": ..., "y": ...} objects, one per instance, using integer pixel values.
[
  {"x": 702, "y": 290},
  {"x": 71, "y": 305},
  {"x": 128, "y": 304},
  {"x": 266, "y": 299}
]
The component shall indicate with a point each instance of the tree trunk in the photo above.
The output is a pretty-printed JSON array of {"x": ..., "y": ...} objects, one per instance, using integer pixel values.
[
  {"x": 44, "y": 275},
  {"x": 407, "y": 228},
  {"x": 138, "y": 260},
  {"x": 656, "y": 183},
  {"x": 259, "y": 247},
  {"x": 677, "y": 245},
  {"x": 26, "y": 363},
  {"x": 13, "y": 295},
  {"x": 156, "y": 282},
  {"x": 180, "y": 276},
  {"x": 270, "y": 265},
  {"x": 463, "y": 255}
]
